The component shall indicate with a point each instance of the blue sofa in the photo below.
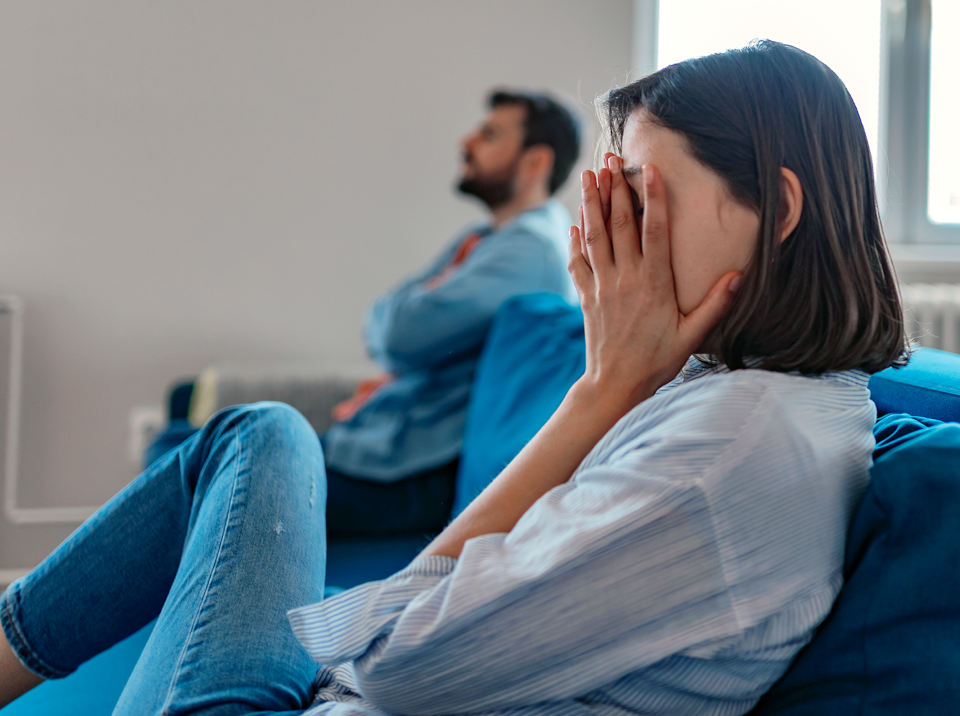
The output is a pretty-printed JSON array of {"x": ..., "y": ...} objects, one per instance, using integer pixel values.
[{"x": 891, "y": 645}]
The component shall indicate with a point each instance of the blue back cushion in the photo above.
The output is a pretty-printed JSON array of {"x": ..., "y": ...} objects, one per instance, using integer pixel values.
[
  {"x": 891, "y": 644},
  {"x": 535, "y": 351},
  {"x": 929, "y": 386},
  {"x": 532, "y": 355}
]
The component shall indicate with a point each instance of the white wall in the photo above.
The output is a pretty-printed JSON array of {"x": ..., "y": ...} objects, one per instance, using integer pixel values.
[{"x": 189, "y": 181}]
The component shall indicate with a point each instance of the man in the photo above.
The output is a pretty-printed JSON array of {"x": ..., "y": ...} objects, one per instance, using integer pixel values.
[{"x": 391, "y": 456}]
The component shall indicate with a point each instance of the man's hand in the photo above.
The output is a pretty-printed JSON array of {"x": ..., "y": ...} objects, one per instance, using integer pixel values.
[{"x": 346, "y": 409}]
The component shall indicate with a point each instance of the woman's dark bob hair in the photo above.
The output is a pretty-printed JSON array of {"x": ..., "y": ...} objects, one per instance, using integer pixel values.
[{"x": 826, "y": 297}]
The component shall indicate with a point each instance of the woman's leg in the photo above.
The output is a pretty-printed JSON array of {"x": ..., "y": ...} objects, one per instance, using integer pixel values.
[
  {"x": 360, "y": 507},
  {"x": 15, "y": 678},
  {"x": 225, "y": 534}
]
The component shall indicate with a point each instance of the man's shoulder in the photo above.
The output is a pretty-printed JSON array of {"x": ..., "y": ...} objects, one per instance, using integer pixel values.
[
  {"x": 548, "y": 221},
  {"x": 541, "y": 230}
]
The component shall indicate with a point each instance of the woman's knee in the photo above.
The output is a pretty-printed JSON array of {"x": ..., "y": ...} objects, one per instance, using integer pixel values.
[
  {"x": 278, "y": 416},
  {"x": 283, "y": 449},
  {"x": 266, "y": 419},
  {"x": 268, "y": 433}
]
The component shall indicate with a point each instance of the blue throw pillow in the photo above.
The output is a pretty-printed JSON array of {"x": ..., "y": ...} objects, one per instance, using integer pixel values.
[
  {"x": 891, "y": 644},
  {"x": 532, "y": 355}
]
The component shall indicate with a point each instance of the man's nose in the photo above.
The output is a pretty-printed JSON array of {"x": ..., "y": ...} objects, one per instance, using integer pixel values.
[{"x": 467, "y": 142}]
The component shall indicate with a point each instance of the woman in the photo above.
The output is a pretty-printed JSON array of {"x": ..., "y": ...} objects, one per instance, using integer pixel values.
[{"x": 660, "y": 546}]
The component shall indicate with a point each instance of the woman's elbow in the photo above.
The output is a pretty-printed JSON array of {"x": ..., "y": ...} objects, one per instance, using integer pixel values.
[{"x": 402, "y": 689}]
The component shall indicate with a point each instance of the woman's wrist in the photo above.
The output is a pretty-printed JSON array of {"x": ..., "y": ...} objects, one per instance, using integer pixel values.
[
  {"x": 587, "y": 412},
  {"x": 608, "y": 402}
]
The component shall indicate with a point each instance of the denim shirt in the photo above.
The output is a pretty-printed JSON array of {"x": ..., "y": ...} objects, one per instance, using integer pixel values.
[{"x": 430, "y": 340}]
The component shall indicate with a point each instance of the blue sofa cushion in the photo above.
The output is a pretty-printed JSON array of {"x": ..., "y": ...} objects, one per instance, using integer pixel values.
[
  {"x": 891, "y": 644},
  {"x": 532, "y": 355},
  {"x": 929, "y": 386}
]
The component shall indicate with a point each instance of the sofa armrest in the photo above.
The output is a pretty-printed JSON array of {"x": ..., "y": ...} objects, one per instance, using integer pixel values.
[{"x": 313, "y": 389}]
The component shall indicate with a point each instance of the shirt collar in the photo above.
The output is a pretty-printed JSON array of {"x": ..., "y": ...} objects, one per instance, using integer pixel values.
[{"x": 697, "y": 367}]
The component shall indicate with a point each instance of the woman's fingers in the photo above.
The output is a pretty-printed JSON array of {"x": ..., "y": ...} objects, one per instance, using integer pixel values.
[
  {"x": 624, "y": 232},
  {"x": 583, "y": 240},
  {"x": 603, "y": 186},
  {"x": 599, "y": 252},
  {"x": 655, "y": 235},
  {"x": 700, "y": 321},
  {"x": 578, "y": 267}
]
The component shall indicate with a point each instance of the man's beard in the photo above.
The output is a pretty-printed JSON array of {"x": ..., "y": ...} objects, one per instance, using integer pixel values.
[{"x": 493, "y": 190}]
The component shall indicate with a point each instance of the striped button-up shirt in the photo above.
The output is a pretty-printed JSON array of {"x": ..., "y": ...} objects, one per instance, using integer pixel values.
[{"x": 679, "y": 570}]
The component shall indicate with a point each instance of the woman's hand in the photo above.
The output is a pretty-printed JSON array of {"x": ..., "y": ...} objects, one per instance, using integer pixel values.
[{"x": 637, "y": 338}]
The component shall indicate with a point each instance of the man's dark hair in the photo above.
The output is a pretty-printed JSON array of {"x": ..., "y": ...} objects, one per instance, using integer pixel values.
[
  {"x": 825, "y": 298},
  {"x": 548, "y": 122}
]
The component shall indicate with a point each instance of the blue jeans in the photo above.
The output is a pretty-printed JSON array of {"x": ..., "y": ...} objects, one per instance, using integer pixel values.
[
  {"x": 357, "y": 507},
  {"x": 217, "y": 540}
]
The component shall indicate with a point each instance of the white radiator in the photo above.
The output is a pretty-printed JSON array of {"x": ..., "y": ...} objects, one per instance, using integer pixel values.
[{"x": 932, "y": 314}]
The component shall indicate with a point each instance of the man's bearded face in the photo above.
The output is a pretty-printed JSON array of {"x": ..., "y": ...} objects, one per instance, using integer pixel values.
[
  {"x": 491, "y": 156},
  {"x": 493, "y": 188}
]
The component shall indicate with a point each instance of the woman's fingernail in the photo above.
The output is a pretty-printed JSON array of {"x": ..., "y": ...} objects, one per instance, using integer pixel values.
[
  {"x": 735, "y": 283},
  {"x": 571, "y": 231},
  {"x": 584, "y": 180},
  {"x": 614, "y": 164}
]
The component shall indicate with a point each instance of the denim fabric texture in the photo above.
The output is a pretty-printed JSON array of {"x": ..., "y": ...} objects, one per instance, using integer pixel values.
[
  {"x": 419, "y": 504},
  {"x": 220, "y": 538},
  {"x": 429, "y": 338}
]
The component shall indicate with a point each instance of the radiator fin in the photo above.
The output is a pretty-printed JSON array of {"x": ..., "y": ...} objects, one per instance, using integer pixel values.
[{"x": 932, "y": 314}]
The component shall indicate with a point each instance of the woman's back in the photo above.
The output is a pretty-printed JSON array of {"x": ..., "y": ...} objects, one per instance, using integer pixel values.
[{"x": 769, "y": 467}]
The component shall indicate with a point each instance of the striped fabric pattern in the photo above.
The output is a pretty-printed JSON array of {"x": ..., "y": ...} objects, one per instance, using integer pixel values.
[{"x": 680, "y": 569}]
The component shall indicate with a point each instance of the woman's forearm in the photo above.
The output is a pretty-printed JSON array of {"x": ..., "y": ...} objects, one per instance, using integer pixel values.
[{"x": 548, "y": 460}]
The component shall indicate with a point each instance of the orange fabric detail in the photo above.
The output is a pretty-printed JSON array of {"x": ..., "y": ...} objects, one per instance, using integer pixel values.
[
  {"x": 466, "y": 248},
  {"x": 346, "y": 409},
  {"x": 463, "y": 251}
]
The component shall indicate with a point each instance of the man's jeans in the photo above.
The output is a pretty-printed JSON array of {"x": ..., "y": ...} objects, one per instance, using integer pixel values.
[{"x": 219, "y": 538}]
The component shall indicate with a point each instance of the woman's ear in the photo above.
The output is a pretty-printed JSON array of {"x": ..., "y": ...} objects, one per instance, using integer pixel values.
[{"x": 791, "y": 203}]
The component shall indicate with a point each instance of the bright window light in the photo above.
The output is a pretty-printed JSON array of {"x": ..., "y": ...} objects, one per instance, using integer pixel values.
[
  {"x": 943, "y": 188},
  {"x": 843, "y": 34}
]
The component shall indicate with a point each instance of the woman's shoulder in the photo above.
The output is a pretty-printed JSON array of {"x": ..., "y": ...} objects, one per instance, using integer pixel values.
[
  {"x": 713, "y": 414},
  {"x": 702, "y": 390}
]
